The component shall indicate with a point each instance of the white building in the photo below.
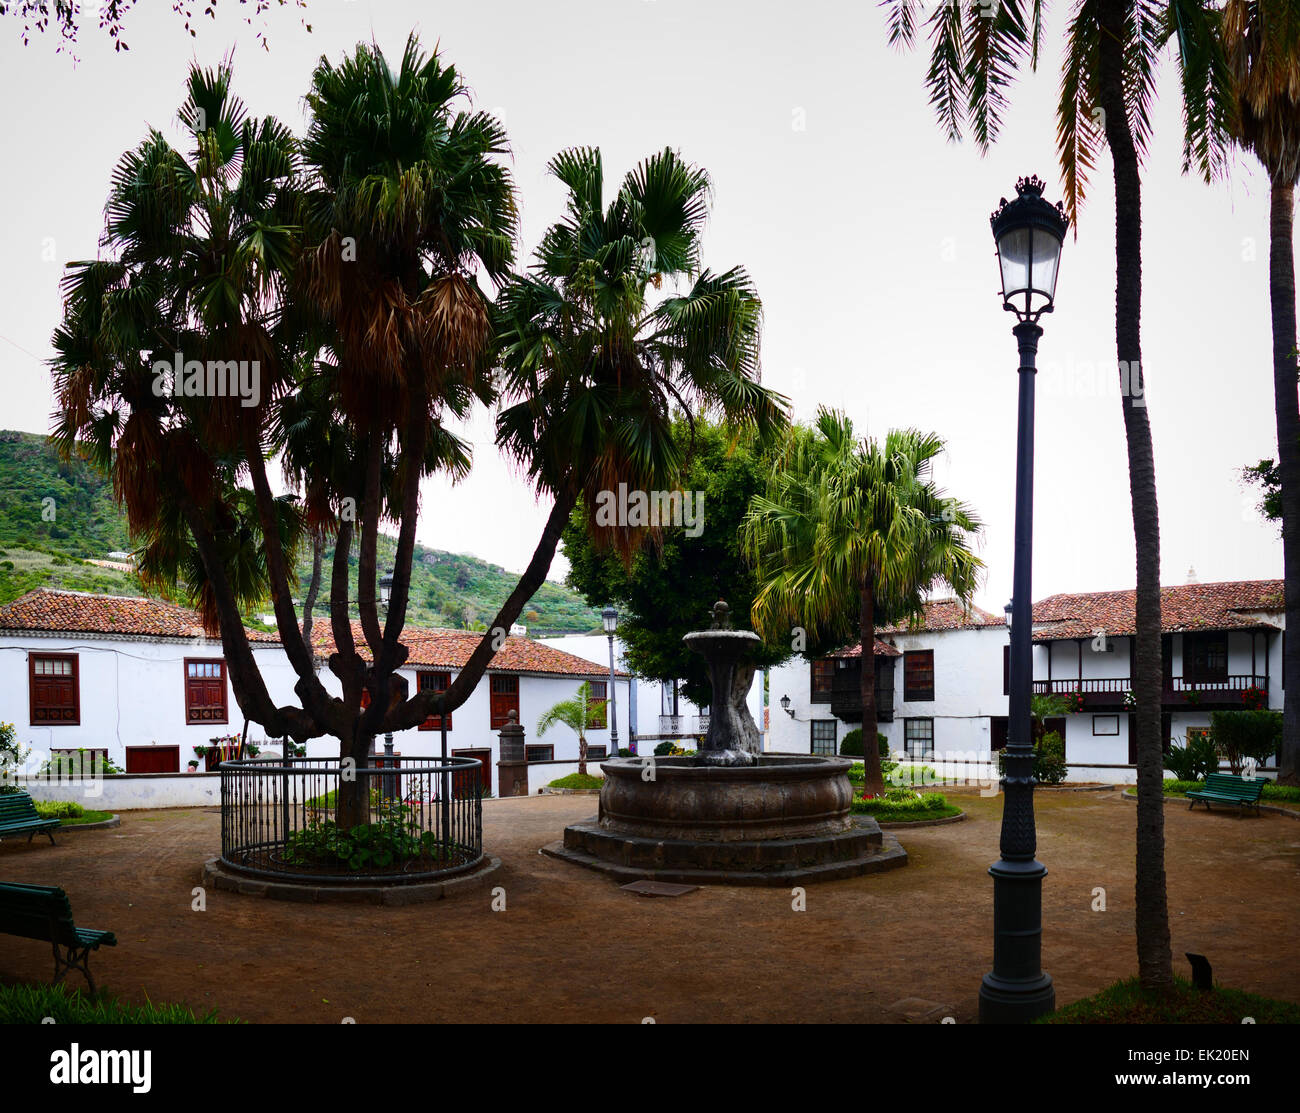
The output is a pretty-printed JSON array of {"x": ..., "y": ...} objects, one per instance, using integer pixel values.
[
  {"x": 942, "y": 682},
  {"x": 138, "y": 680},
  {"x": 938, "y": 689}
]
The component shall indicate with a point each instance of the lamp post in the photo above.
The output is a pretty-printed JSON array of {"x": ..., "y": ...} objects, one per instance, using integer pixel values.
[
  {"x": 609, "y": 617},
  {"x": 385, "y": 594},
  {"x": 1029, "y": 233}
]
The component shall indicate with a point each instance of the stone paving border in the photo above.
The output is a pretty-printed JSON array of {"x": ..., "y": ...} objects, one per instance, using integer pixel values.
[
  {"x": 111, "y": 821},
  {"x": 222, "y": 877},
  {"x": 904, "y": 825}
]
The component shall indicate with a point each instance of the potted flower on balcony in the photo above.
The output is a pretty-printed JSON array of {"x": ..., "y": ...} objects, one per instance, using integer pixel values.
[
  {"x": 1130, "y": 701},
  {"x": 1254, "y": 698},
  {"x": 200, "y": 753},
  {"x": 1075, "y": 701}
]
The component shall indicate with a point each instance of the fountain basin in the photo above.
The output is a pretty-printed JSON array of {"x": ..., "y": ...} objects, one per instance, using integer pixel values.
[
  {"x": 783, "y": 821},
  {"x": 781, "y": 797}
]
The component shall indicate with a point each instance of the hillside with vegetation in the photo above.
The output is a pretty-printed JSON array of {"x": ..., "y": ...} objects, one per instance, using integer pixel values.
[{"x": 55, "y": 517}]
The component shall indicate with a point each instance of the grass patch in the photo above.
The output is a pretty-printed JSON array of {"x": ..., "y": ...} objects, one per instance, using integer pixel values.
[
  {"x": 1127, "y": 1002},
  {"x": 30, "y": 1004},
  {"x": 87, "y": 817},
  {"x": 901, "y": 805},
  {"x": 1283, "y": 796},
  {"x": 578, "y": 781}
]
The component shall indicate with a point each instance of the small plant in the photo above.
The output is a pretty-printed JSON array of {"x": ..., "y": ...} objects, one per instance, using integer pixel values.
[
  {"x": 1254, "y": 698},
  {"x": 1195, "y": 760},
  {"x": 12, "y": 756},
  {"x": 1130, "y": 701},
  {"x": 1240, "y": 736},
  {"x": 1049, "y": 759},
  {"x": 83, "y": 763},
  {"x": 58, "y": 809}
]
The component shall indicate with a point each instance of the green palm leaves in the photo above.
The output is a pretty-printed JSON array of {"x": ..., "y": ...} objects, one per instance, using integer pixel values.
[
  {"x": 576, "y": 714},
  {"x": 1262, "y": 39},
  {"x": 618, "y": 325},
  {"x": 842, "y": 515}
]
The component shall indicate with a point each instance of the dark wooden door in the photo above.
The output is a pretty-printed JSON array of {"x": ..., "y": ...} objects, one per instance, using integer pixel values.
[
  {"x": 465, "y": 785},
  {"x": 153, "y": 759}
]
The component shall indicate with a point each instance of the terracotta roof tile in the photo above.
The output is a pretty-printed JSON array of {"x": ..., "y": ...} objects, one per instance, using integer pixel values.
[
  {"x": 946, "y": 614},
  {"x": 1233, "y": 604},
  {"x": 451, "y": 649},
  {"x": 80, "y": 612},
  {"x": 880, "y": 649}
]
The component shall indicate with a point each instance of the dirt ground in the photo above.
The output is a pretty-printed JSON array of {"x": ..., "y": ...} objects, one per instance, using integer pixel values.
[{"x": 571, "y": 947}]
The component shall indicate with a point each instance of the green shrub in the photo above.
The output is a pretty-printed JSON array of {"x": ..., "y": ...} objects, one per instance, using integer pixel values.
[
  {"x": 1050, "y": 767},
  {"x": 12, "y": 756},
  {"x": 902, "y": 804},
  {"x": 851, "y": 744},
  {"x": 83, "y": 763},
  {"x": 1239, "y": 735},
  {"x": 1193, "y": 761},
  {"x": 58, "y": 809},
  {"x": 577, "y": 780},
  {"x": 31, "y": 1004},
  {"x": 392, "y": 838},
  {"x": 665, "y": 748}
]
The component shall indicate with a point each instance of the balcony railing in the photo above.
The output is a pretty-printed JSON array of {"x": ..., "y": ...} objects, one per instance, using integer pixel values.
[{"x": 1109, "y": 691}]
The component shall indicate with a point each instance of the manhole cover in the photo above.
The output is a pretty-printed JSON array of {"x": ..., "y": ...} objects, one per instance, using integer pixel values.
[{"x": 658, "y": 888}]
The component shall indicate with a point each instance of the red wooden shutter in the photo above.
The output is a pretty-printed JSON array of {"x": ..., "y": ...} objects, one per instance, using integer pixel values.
[
  {"x": 205, "y": 691},
  {"x": 434, "y": 682},
  {"x": 54, "y": 691},
  {"x": 504, "y": 699}
]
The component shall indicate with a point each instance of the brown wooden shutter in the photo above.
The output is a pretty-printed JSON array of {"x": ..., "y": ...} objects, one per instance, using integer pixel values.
[{"x": 54, "y": 689}]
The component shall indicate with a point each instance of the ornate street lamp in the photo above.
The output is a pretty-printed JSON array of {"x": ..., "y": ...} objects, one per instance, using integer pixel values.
[
  {"x": 1029, "y": 233},
  {"x": 386, "y": 587},
  {"x": 609, "y": 617},
  {"x": 785, "y": 706}
]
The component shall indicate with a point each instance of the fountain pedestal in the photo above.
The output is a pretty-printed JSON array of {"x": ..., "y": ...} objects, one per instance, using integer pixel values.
[{"x": 728, "y": 815}]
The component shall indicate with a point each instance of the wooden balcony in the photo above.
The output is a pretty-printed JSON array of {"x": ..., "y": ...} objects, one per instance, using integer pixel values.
[
  {"x": 846, "y": 691},
  {"x": 1176, "y": 691}
]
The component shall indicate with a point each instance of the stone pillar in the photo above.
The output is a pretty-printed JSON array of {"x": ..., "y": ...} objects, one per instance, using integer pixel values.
[{"x": 512, "y": 769}]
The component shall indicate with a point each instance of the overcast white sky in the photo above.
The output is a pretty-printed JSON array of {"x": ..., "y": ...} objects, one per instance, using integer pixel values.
[{"x": 866, "y": 233}]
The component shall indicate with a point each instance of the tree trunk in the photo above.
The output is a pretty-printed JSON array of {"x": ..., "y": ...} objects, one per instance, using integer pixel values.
[
  {"x": 582, "y": 756},
  {"x": 353, "y": 800},
  {"x": 313, "y": 588},
  {"x": 1281, "y": 289},
  {"x": 874, "y": 782},
  {"x": 1155, "y": 962}
]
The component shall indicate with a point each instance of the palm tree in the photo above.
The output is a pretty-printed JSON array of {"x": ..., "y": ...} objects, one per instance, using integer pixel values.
[
  {"x": 851, "y": 527},
  {"x": 1262, "y": 42},
  {"x": 1108, "y": 81},
  {"x": 576, "y": 714},
  {"x": 615, "y": 328}
]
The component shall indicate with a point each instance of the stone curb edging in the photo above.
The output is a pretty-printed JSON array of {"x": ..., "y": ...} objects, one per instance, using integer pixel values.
[
  {"x": 548, "y": 791},
  {"x": 1099, "y": 787},
  {"x": 1290, "y": 813},
  {"x": 220, "y": 877},
  {"x": 103, "y": 824},
  {"x": 904, "y": 825}
]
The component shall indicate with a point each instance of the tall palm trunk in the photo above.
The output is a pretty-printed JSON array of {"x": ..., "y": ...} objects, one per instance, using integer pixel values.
[
  {"x": 1155, "y": 962},
  {"x": 1281, "y": 290},
  {"x": 874, "y": 783},
  {"x": 582, "y": 755}
]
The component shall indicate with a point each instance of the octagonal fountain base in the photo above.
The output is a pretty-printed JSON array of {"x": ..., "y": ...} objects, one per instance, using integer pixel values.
[{"x": 782, "y": 821}]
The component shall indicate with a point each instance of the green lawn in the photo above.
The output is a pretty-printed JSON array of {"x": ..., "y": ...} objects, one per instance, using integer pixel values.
[
  {"x": 1282, "y": 796},
  {"x": 86, "y": 817},
  {"x": 1127, "y": 1003},
  {"x": 31, "y": 1004},
  {"x": 902, "y": 806}
]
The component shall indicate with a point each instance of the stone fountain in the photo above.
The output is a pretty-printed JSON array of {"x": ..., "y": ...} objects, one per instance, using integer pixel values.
[{"x": 730, "y": 814}]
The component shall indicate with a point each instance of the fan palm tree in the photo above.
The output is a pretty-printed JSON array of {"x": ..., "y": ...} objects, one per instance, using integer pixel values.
[
  {"x": 1262, "y": 41},
  {"x": 577, "y": 714},
  {"x": 617, "y": 326},
  {"x": 198, "y": 249},
  {"x": 852, "y": 527},
  {"x": 1108, "y": 80}
]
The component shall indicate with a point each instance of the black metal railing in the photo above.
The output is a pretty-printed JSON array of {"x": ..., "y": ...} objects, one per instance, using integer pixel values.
[{"x": 310, "y": 819}]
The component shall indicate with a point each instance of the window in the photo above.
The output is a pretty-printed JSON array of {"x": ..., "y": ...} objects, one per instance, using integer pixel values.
[
  {"x": 539, "y": 752},
  {"x": 918, "y": 675},
  {"x": 1205, "y": 658},
  {"x": 54, "y": 690},
  {"x": 596, "y": 709},
  {"x": 823, "y": 736},
  {"x": 823, "y": 673},
  {"x": 1105, "y": 726},
  {"x": 433, "y": 682},
  {"x": 918, "y": 738},
  {"x": 205, "y": 691},
  {"x": 597, "y": 753},
  {"x": 504, "y": 699},
  {"x": 999, "y": 725}
]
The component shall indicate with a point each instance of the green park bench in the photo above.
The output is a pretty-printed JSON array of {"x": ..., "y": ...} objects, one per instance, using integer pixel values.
[
  {"x": 43, "y": 912},
  {"x": 18, "y": 817},
  {"x": 1227, "y": 788}
]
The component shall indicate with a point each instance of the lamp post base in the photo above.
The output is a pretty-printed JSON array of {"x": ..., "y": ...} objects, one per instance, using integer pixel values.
[{"x": 1015, "y": 1002}]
